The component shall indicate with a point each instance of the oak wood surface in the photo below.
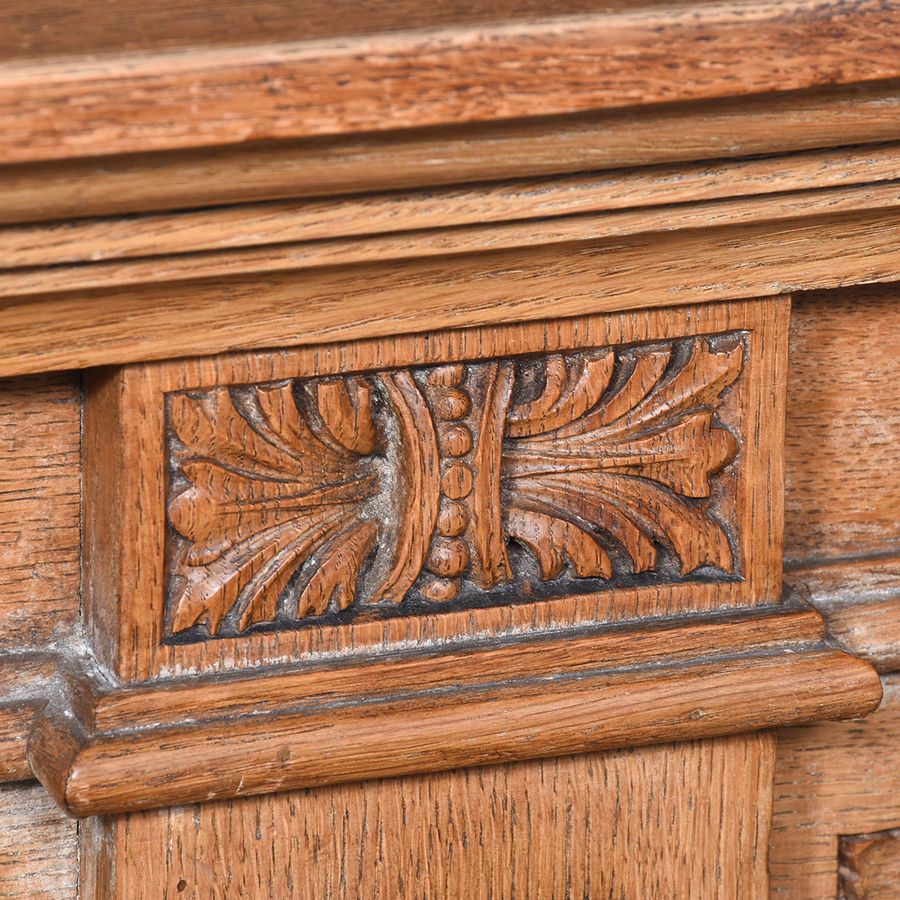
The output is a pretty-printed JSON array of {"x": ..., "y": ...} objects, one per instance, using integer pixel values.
[
  {"x": 323, "y": 685},
  {"x": 711, "y": 130},
  {"x": 98, "y": 239},
  {"x": 432, "y": 731},
  {"x": 38, "y": 846},
  {"x": 125, "y": 479},
  {"x": 830, "y": 780},
  {"x": 600, "y": 825},
  {"x": 152, "y": 101},
  {"x": 777, "y": 210},
  {"x": 338, "y": 304},
  {"x": 26, "y": 681},
  {"x": 843, "y": 410},
  {"x": 860, "y": 600},
  {"x": 40, "y": 498},
  {"x": 48, "y": 28},
  {"x": 870, "y": 866}
]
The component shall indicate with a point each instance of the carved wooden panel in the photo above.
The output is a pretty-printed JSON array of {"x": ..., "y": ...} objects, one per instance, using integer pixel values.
[
  {"x": 464, "y": 484},
  {"x": 260, "y": 507},
  {"x": 870, "y": 866}
]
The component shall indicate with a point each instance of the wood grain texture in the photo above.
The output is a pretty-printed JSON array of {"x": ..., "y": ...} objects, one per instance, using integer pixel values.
[
  {"x": 548, "y": 712},
  {"x": 398, "y": 492},
  {"x": 778, "y": 210},
  {"x": 843, "y": 415},
  {"x": 114, "y": 326},
  {"x": 40, "y": 492},
  {"x": 318, "y": 686},
  {"x": 831, "y": 780},
  {"x": 126, "y": 543},
  {"x": 860, "y": 600},
  {"x": 711, "y": 130},
  {"x": 290, "y": 222},
  {"x": 870, "y": 866},
  {"x": 26, "y": 681},
  {"x": 47, "y": 29},
  {"x": 38, "y": 846},
  {"x": 155, "y": 101},
  {"x": 546, "y": 829}
]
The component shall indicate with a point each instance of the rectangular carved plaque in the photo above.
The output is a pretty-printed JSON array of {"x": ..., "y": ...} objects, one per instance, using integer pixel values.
[
  {"x": 291, "y": 502},
  {"x": 469, "y": 484}
]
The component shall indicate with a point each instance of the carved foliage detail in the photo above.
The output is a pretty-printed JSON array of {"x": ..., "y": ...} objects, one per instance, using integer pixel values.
[{"x": 368, "y": 495}]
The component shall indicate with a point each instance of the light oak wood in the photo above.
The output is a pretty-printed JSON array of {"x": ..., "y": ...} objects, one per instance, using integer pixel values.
[
  {"x": 600, "y": 825},
  {"x": 860, "y": 600},
  {"x": 540, "y": 711},
  {"x": 290, "y": 222},
  {"x": 843, "y": 412},
  {"x": 27, "y": 679},
  {"x": 322, "y": 685},
  {"x": 40, "y": 500},
  {"x": 125, "y": 515},
  {"x": 831, "y": 780},
  {"x": 115, "y": 326},
  {"x": 870, "y": 866},
  {"x": 38, "y": 846},
  {"x": 47, "y": 29},
  {"x": 713, "y": 130},
  {"x": 155, "y": 101},
  {"x": 777, "y": 210}
]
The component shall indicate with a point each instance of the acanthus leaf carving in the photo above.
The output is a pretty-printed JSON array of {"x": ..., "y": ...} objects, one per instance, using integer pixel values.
[{"x": 386, "y": 493}]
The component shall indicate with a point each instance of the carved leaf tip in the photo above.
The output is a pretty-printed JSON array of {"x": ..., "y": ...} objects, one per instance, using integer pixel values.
[
  {"x": 553, "y": 541},
  {"x": 345, "y": 405}
]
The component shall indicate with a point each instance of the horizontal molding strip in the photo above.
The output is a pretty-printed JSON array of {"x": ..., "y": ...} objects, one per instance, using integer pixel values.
[
  {"x": 321, "y": 305},
  {"x": 636, "y": 191},
  {"x": 472, "y": 239},
  {"x": 519, "y": 704},
  {"x": 351, "y": 679},
  {"x": 715, "y": 129},
  {"x": 203, "y": 97}
]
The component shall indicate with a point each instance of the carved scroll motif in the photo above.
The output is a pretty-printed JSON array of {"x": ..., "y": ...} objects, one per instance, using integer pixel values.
[{"x": 332, "y": 499}]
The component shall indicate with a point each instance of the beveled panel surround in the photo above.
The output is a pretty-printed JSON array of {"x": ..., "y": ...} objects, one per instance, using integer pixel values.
[{"x": 491, "y": 480}]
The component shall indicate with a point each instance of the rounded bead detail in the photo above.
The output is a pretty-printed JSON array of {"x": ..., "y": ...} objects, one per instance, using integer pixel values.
[
  {"x": 448, "y": 557},
  {"x": 453, "y": 518},
  {"x": 456, "y": 440},
  {"x": 456, "y": 482},
  {"x": 451, "y": 403},
  {"x": 440, "y": 590}
]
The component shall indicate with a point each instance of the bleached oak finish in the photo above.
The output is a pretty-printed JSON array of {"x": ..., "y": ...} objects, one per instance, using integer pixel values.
[{"x": 546, "y": 828}]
